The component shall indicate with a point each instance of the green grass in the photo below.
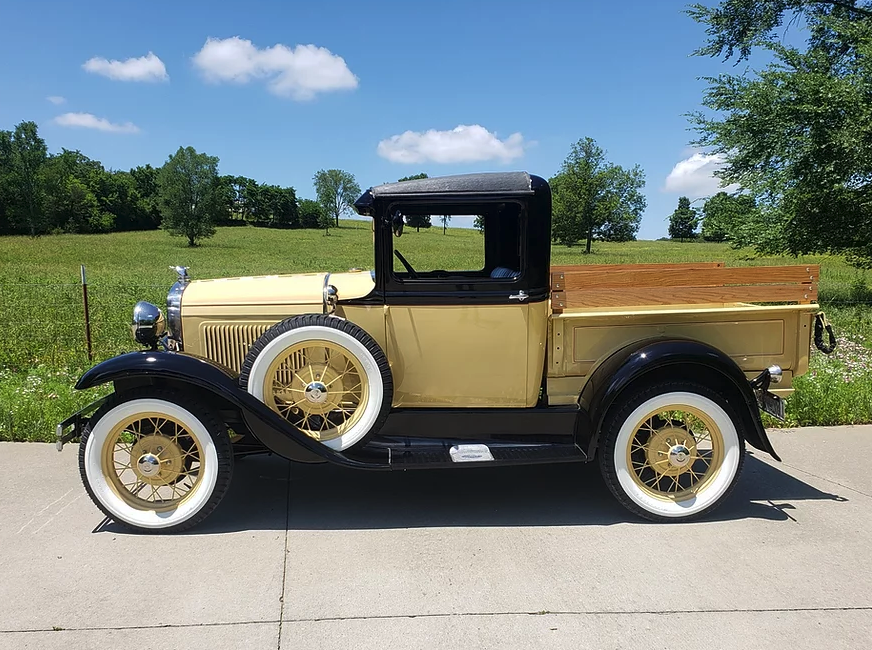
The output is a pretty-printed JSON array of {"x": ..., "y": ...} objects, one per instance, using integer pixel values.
[{"x": 42, "y": 320}]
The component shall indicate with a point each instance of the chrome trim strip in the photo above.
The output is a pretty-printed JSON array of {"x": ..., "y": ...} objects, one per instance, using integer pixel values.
[
  {"x": 174, "y": 310},
  {"x": 324, "y": 292},
  {"x": 330, "y": 296}
]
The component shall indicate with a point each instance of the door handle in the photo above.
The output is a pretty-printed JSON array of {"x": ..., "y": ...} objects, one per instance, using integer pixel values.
[{"x": 521, "y": 296}]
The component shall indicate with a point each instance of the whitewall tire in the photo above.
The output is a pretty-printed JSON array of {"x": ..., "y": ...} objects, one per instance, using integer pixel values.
[
  {"x": 323, "y": 374},
  {"x": 154, "y": 462},
  {"x": 672, "y": 452}
]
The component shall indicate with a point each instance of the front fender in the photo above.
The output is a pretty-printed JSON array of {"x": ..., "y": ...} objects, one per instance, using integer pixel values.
[
  {"x": 686, "y": 359},
  {"x": 276, "y": 434}
]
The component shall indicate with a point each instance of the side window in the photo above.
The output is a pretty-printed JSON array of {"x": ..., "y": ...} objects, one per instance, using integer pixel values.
[{"x": 458, "y": 242}]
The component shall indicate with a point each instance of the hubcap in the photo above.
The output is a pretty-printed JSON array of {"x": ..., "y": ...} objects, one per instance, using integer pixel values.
[
  {"x": 148, "y": 465},
  {"x": 679, "y": 456},
  {"x": 316, "y": 392}
]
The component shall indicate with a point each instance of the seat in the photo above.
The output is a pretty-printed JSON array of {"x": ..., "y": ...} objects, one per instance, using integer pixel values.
[{"x": 502, "y": 272}]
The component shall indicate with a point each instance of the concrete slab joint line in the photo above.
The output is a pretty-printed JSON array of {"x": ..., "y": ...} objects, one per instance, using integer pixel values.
[
  {"x": 284, "y": 556},
  {"x": 383, "y": 617}
]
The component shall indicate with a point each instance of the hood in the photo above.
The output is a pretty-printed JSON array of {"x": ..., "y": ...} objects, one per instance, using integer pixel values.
[{"x": 298, "y": 289}]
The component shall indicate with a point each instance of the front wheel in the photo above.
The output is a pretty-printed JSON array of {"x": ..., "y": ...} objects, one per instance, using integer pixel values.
[
  {"x": 672, "y": 451},
  {"x": 155, "y": 462}
]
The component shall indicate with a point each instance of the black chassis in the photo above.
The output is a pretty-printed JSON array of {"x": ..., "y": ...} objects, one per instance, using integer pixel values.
[{"x": 415, "y": 437}]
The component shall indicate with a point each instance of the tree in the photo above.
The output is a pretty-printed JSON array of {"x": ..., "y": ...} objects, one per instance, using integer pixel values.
[
  {"x": 416, "y": 221},
  {"x": 189, "y": 200},
  {"x": 445, "y": 218},
  {"x": 28, "y": 155},
  {"x": 797, "y": 134},
  {"x": 337, "y": 191},
  {"x": 724, "y": 216},
  {"x": 78, "y": 193},
  {"x": 245, "y": 199},
  {"x": 280, "y": 203},
  {"x": 478, "y": 224},
  {"x": 7, "y": 193},
  {"x": 683, "y": 222},
  {"x": 312, "y": 214},
  {"x": 146, "y": 186},
  {"x": 593, "y": 198}
]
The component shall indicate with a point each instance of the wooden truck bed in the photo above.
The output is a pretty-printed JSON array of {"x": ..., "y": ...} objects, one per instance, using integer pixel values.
[{"x": 598, "y": 309}]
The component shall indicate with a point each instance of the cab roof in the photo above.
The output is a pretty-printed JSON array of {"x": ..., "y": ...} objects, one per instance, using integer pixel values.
[{"x": 502, "y": 184}]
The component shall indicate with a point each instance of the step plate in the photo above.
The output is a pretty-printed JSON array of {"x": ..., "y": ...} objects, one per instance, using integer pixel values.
[{"x": 470, "y": 454}]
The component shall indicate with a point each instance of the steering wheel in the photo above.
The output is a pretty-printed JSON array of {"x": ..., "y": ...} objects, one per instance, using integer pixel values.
[{"x": 412, "y": 272}]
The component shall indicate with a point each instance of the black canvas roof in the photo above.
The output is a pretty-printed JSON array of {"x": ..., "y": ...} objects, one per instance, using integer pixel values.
[{"x": 485, "y": 183}]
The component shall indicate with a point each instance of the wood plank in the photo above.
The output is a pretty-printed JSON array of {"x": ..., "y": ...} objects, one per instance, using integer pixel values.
[
  {"x": 712, "y": 277},
  {"x": 642, "y": 267},
  {"x": 628, "y": 297}
]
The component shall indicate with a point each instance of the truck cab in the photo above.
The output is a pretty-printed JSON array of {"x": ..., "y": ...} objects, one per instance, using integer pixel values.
[
  {"x": 655, "y": 372},
  {"x": 464, "y": 337}
]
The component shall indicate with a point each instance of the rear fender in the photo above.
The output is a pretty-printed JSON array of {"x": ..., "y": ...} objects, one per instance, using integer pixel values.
[
  {"x": 649, "y": 361},
  {"x": 203, "y": 375}
]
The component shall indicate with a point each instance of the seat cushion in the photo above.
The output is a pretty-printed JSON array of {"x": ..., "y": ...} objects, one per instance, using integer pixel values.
[{"x": 503, "y": 272}]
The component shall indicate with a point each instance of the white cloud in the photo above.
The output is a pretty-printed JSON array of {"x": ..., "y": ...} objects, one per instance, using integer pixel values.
[
  {"x": 694, "y": 176},
  {"x": 463, "y": 143},
  {"x": 300, "y": 72},
  {"x": 57, "y": 100},
  {"x": 89, "y": 121},
  {"x": 143, "y": 68}
]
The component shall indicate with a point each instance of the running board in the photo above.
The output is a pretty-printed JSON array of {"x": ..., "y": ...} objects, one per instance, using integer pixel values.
[{"x": 418, "y": 453}]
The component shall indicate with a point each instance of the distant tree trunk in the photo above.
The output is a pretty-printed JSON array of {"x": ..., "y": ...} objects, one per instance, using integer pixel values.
[
  {"x": 589, "y": 239},
  {"x": 191, "y": 241}
]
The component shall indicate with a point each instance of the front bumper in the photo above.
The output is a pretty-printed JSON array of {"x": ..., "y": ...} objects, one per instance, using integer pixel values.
[{"x": 76, "y": 423}]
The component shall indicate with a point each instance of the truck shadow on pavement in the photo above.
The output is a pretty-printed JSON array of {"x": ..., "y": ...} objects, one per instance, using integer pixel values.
[{"x": 269, "y": 493}]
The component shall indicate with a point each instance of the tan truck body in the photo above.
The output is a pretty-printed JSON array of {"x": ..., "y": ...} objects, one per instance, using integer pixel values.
[{"x": 594, "y": 311}]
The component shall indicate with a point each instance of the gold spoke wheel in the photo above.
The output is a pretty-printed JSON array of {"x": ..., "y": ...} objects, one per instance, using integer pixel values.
[
  {"x": 152, "y": 462},
  {"x": 318, "y": 386},
  {"x": 675, "y": 452}
]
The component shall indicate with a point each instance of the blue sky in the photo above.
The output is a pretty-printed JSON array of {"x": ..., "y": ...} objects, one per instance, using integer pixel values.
[{"x": 527, "y": 79}]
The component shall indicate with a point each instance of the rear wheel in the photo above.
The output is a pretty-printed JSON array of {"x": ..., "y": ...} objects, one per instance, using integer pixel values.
[
  {"x": 154, "y": 462},
  {"x": 672, "y": 451}
]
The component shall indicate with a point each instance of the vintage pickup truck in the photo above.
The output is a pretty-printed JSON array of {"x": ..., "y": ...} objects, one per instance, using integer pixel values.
[{"x": 655, "y": 371}]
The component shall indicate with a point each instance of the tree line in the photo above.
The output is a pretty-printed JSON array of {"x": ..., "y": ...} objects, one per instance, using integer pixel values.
[
  {"x": 723, "y": 217},
  {"x": 68, "y": 192}
]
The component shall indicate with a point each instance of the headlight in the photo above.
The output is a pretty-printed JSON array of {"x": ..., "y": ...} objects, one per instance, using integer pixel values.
[{"x": 148, "y": 324}]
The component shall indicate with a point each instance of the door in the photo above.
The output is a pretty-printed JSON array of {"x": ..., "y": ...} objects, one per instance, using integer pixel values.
[
  {"x": 459, "y": 355},
  {"x": 458, "y": 309}
]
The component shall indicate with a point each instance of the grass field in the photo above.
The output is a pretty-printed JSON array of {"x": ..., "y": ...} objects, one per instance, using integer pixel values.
[{"x": 42, "y": 320}]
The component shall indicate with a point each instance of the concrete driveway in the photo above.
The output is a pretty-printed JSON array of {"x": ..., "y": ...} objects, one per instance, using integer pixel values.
[{"x": 317, "y": 557}]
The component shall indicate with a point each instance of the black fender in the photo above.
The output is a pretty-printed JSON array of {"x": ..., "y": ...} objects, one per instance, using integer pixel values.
[
  {"x": 181, "y": 370},
  {"x": 653, "y": 360}
]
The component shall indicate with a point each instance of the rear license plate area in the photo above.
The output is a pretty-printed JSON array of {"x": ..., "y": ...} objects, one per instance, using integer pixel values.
[{"x": 771, "y": 404}]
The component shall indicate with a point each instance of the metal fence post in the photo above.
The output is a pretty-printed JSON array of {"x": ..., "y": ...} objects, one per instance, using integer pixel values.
[{"x": 87, "y": 314}]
